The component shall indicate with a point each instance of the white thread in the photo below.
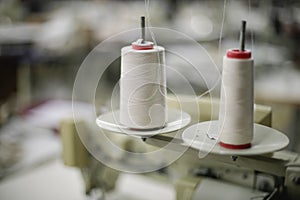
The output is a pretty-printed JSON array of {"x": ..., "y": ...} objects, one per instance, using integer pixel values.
[
  {"x": 251, "y": 30},
  {"x": 143, "y": 88},
  {"x": 210, "y": 90},
  {"x": 147, "y": 5},
  {"x": 148, "y": 18},
  {"x": 222, "y": 26},
  {"x": 236, "y": 103}
]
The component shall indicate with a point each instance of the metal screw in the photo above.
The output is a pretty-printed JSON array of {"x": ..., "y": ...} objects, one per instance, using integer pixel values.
[{"x": 234, "y": 158}]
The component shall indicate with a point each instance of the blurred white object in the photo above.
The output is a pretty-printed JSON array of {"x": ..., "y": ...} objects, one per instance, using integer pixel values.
[
  {"x": 281, "y": 86},
  {"x": 52, "y": 181},
  {"x": 18, "y": 33},
  {"x": 215, "y": 190},
  {"x": 26, "y": 146},
  {"x": 56, "y": 181},
  {"x": 199, "y": 21},
  {"x": 50, "y": 113}
]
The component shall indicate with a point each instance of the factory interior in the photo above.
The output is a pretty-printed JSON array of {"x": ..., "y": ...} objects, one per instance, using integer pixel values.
[{"x": 70, "y": 128}]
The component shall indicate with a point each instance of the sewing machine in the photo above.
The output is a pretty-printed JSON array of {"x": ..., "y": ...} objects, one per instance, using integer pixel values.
[{"x": 269, "y": 176}]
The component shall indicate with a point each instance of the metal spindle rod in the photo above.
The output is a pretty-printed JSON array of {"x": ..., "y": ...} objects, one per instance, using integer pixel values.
[
  {"x": 243, "y": 35},
  {"x": 143, "y": 28}
]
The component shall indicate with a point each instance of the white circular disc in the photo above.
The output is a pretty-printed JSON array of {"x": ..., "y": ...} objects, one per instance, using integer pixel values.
[
  {"x": 265, "y": 139},
  {"x": 111, "y": 121}
]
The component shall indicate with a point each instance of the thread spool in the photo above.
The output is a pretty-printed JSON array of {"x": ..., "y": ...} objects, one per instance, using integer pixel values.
[
  {"x": 143, "y": 86},
  {"x": 236, "y": 103}
]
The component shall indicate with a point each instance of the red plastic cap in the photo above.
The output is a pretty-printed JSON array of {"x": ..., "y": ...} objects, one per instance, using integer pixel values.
[
  {"x": 238, "y": 54},
  {"x": 142, "y": 46},
  {"x": 233, "y": 146}
]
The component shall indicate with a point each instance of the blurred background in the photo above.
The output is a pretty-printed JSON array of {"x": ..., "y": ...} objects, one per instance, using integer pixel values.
[{"x": 44, "y": 42}]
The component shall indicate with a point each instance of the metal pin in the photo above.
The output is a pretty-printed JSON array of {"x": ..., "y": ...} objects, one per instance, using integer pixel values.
[
  {"x": 143, "y": 28},
  {"x": 242, "y": 36}
]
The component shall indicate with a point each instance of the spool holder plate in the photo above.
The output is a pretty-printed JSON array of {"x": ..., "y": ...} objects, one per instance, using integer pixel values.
[
  {"x": 203, "y": 137},
  {"x": 111, "y": 121}
]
